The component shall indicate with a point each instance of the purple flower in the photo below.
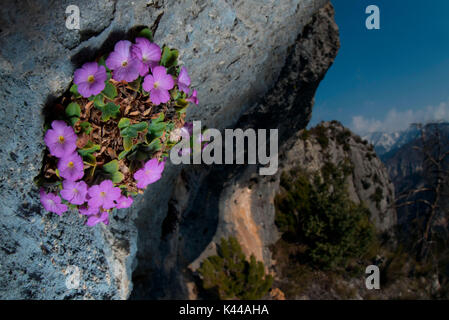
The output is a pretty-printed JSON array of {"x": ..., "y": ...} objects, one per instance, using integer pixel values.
[
  {"x": 150, "y": 173},
  {"x": 90, "y": 79},
  {"x": 88, "y": 211},
  {"x": 184, "y": 80},
  {"x": 74, "y": 192},
  {"x": 101, "y": 216},
  {"x": 125, "y": 65},
  {"x": 71, "y": 167},
  {"x": 61, "y": 139},
  {"x": 158, "y": 85},
  {"x": 52, "y": 202},
  {"x": 193, "y": 97},
  {"x": 148, "y": 53},
  {"x": 103, "y": 195},
  {"x": 124, "y": 202}
]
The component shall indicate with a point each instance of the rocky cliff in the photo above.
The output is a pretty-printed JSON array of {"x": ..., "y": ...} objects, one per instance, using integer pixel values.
[
  {"x": 236, "y": 52},
  {"x": 369, "y": 182}
]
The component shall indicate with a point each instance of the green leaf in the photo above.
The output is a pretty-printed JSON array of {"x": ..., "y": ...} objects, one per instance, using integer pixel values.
[
  {"x": 74, "y": 120},
  {"x": 73, "y": 110},
  {"x": 156, "y": 128},
  {"x": 141, "y": 126},
  {"x": 90, "y": 160},
  {"x": 112, "y": 168},
  {"x": 146, "y": 33},
  {"x": 129, "y": 132},
  {"x": 155, "y": 145},
  {"x": 99, "y": 101},
  {"x": 122, "y": 154},
  {"x": 181, "y": 103},
  {"x": 109, "y": 111},
  {"x": 181, "y": 110},
  {"x": 127, "y": 143},
  {"x": 117, "y": 177},
  {"x": 170, "y": 126},
  {"x": 123, "y": 123},
  {"x": 89, "y": 149},
  {"x": 86, "y": 127},
  {"x": 110, "y": 91},
  {"x": 74, "y": 91},
  {"x": 169, "y": 57},
  {"x": 160, "y": 118}
]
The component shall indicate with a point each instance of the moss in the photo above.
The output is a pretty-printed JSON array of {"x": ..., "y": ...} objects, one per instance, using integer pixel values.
[{"x": 229, "y": 275}]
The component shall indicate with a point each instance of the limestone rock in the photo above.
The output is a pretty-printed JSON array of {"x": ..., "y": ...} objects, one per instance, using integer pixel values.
[{"x": 234, "y": 50}]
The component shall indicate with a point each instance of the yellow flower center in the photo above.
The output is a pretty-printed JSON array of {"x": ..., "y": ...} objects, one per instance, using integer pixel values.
[
  {"x": 124, "y": 63},
  {"x": 91, "y": 79},
  {"x": 61, "y": 139},
  {"x": 156, "y": 85},
  {"x": 75, "y": 190},
  {"x": 70, "y": 164},
  {"x": 102, "y": 194}
]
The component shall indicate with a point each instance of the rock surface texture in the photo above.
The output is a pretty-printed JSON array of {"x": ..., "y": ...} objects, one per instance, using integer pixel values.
[
  {"x": 234, "y": 200},
  {"x": 234, "y": 50}
]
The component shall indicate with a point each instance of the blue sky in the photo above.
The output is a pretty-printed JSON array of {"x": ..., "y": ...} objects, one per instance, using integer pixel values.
[{"x": 383, "y": 79}]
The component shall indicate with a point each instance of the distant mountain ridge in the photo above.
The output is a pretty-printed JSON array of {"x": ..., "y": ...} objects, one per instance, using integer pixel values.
[
  {"x": 387, "y": 144},
  {"x": 404, "y": 160}
]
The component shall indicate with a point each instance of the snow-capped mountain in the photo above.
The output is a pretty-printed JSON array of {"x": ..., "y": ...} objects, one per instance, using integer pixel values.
[{"x": 386, "y": 142}]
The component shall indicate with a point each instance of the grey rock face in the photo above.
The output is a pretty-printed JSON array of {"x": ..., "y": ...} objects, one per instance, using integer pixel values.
[
  {"x": 209, "y": 203},
  {"x": 234, "y": 51}
]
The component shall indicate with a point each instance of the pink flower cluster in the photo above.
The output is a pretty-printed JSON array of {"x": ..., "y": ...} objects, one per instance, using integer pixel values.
[
  {"x": 128, "y": 62},
  {"x": 96, "y": 201}
]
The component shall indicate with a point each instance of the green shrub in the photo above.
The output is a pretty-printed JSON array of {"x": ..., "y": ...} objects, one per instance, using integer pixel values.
[
  {"x": 305, "y": 134},
  {"x": 321, "y": 215},
  {"x": 320, "y": 133},
  {"x": 231, "y": 276},
  {"x": 343, "y": 136},
  {"x": 377, "y": 197}
]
